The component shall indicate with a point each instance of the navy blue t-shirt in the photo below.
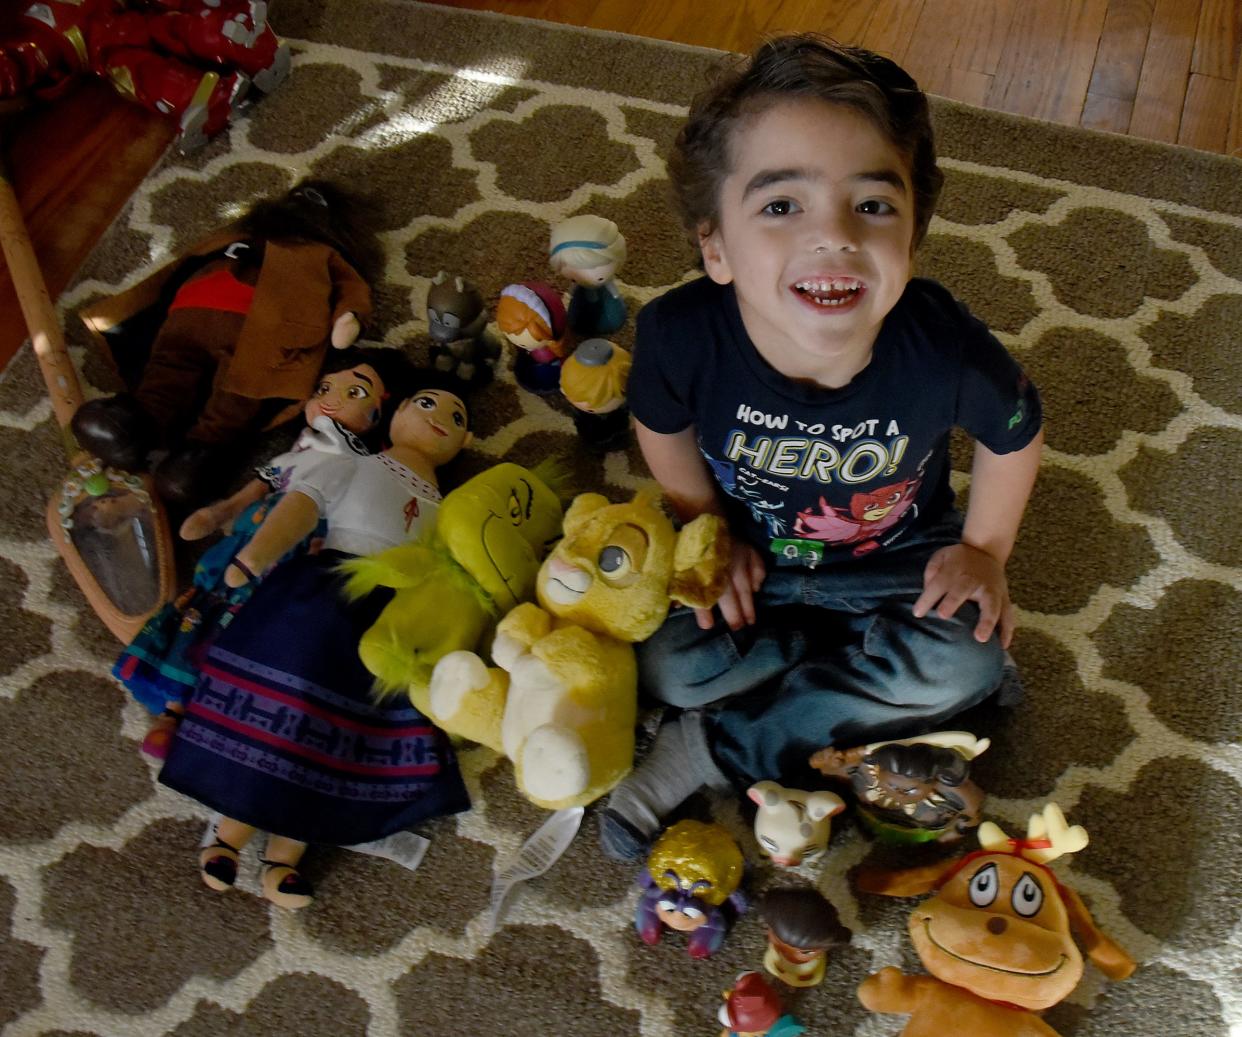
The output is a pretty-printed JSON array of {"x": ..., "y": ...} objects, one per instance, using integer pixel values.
[{"x": 813, "y": 475}]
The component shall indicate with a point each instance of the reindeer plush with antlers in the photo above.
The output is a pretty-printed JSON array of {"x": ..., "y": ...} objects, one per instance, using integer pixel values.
[{"x": 996, "y": 937}]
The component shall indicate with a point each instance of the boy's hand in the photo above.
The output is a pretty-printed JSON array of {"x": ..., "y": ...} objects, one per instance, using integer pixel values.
[
  {"x": 961, "y": 573},
  {"x": 737, "y": 603}
]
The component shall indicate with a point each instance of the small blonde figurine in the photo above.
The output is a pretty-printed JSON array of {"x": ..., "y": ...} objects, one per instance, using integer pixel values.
[
  {"x": 593, "y": 379},
  {"x": 589, "y": 250}
]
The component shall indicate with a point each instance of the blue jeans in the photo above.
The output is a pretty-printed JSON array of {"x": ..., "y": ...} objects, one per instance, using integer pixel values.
[{"x": 836, "y": 657}]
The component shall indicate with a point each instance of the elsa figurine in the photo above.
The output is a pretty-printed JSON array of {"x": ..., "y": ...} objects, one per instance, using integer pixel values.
[{"x": 589, "y": 250}]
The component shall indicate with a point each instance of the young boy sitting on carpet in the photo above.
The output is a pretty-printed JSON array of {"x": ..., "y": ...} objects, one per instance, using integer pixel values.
[{"x": 805, "y": 389}]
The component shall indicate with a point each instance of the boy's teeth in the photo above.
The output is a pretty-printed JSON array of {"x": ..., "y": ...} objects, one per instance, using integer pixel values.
[
  {"x": 830, "y": 292},
  {"x": 835, "y": 284}
]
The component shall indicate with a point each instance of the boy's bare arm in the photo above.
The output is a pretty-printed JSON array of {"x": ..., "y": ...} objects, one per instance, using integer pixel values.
[
  {"x": 974, "y": 570},
  {"x": 679, "y": 468}
]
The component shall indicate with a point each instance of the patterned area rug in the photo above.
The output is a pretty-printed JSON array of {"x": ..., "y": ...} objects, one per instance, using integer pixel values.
[{"x": 1112, "y": 268}]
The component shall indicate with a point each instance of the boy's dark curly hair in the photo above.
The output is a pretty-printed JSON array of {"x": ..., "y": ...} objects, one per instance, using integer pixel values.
[{"x": 804, "y": 65}]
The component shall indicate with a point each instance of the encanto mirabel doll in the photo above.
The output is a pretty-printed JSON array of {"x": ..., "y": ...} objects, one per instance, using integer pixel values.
[
  {"x": 283, "y": 732},
  {"x": 532, "y": 317},
  {"x": 593, "y": 380},
  {"x": 159, "y": 667},
  {"x": 589, "y": 250},
  {"x": 237, "y": 333}
]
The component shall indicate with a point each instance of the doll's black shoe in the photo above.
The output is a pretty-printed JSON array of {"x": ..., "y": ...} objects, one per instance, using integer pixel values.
[
  {"x": 190, "y": 474},
  {"x": 115, "y": 430},
  {"x": 217, "y": 864},
  {"x": 284, "y": 885}
]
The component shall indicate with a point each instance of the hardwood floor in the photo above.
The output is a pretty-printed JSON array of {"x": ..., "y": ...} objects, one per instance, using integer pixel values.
[{"x": 1165, "y": 70}]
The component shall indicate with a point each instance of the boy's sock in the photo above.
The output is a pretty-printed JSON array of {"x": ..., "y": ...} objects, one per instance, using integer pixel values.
[
  {"x": 1010, "y": 691},
  {"x": 678, "y": 765}
]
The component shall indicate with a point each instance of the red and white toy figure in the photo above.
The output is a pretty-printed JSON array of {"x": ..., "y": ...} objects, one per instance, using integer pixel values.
[
  {"x": 753, "y": 1009},
  {"x": 192, "y": 60}
]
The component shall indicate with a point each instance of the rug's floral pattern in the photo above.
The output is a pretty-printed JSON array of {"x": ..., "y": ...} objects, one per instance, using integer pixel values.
[
  {"x": 1076, "y": 367},
  {"x": 1122, "y": 268},
  {"x": 1125, "y": 309}
]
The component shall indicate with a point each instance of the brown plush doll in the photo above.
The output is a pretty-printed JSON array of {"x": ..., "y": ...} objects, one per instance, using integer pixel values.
[
  {"x": 996, "y": 937},
  {"x": 228, "y": 340}
]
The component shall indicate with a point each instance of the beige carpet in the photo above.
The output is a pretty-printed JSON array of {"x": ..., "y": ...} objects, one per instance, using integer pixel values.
[{"x": 1112, "y": 268}]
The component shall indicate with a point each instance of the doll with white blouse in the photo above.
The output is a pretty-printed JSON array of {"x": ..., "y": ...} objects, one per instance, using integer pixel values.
[{"x": 283, "y": 732}]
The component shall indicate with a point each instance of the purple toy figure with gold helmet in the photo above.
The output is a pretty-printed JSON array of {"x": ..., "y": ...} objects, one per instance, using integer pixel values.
[
  {"x": 753, "y": 1009},
  {"x": 691, "y": 885},
  {"x": 532, "y": 317}
]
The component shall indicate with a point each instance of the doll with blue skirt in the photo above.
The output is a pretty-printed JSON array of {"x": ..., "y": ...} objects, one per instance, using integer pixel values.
[
  {"x": 283, "y": 731},
  {"x": 159, "y": 667}
]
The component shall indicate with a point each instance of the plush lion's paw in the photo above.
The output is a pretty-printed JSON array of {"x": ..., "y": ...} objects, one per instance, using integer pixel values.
[
  {"x": 554, "y": 763},
  {"x": 454, "y": 677},
  {"x": 506, "y": 650}
]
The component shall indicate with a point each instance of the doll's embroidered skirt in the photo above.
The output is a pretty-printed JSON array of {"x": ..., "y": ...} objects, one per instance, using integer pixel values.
[
  {"x": 283, "y": 732},
  {"x": 161, "y": 664}
]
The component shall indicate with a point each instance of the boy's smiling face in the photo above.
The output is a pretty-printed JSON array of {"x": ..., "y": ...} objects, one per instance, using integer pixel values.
[{"x": 816, "y": 233}]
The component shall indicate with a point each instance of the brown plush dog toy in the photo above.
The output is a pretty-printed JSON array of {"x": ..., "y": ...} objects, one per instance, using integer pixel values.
[{"x": 996, "y": 937}]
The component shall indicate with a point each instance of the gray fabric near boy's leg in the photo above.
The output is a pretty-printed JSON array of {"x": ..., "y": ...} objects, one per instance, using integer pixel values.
[{"x": 678, "y": 765}]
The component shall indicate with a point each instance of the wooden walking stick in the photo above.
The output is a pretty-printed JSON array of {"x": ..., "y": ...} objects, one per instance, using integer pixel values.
[{"x": 108, "y": 526}]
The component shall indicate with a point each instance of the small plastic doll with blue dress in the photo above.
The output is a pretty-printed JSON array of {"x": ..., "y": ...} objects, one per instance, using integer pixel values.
[{"x": 589, "y": 250}]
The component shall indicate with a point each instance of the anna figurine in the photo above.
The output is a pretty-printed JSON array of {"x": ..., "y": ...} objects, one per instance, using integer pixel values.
[{"x": 532, "y": 317}]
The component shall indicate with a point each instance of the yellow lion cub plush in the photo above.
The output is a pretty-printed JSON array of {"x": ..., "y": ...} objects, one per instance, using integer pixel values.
[{"x": 562, "y": 700}]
